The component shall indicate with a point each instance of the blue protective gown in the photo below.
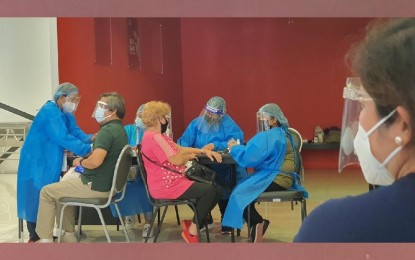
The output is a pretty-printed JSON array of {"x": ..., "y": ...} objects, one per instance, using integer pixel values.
[
  {"x": 41, "y": 157},
  {"x": 265, "y": 152},
  {"x": 135, "y": 199},
  {"x": 199, "y": 133},
  {"x": 134, "y": 134}
]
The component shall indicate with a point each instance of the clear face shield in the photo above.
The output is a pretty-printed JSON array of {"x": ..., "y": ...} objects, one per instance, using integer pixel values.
[
  {"x": 353, "y": 94},
  {"x": 71, "y": 103},
  {"x": 210, "y": 119},
  {"x": 262, "y": 122},
  {"x": 100, "y": 104},
  {"x": 74, "y": 98},
  {"x": 138, "y": 122}
]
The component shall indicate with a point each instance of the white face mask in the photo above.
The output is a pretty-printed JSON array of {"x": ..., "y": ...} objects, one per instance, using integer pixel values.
[
  {"x": 139, "y": 123},
  {"x": 68, "y": 107},
  {"x": 374, "y": 171},
  {"x": 99, "y": 114}
]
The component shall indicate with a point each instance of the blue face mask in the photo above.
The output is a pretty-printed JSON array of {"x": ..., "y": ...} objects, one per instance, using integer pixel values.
[
  {"x": 139, "y": 123},
  {"x": 99, "y": 114}
]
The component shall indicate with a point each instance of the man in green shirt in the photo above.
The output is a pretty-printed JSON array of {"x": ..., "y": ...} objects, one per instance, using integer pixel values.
[{"x": 96, "y": 180}]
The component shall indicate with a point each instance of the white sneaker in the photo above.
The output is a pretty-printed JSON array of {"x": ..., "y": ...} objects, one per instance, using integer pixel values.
[
  {"x": 45, "y": 240},
  {"x": 56, "y": 232},
  {"x": 146, "y": 229},
  {"x": 129, "y": 222},
  {"x": 69, "y": 237}
]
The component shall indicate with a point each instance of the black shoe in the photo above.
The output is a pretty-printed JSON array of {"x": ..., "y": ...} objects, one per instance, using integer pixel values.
[
  {"x": 209, "y": 221},
  {"x": 256, "y": 233},
  {"x": 226, "y": 230},
  {"x": 266, "y": 224}
]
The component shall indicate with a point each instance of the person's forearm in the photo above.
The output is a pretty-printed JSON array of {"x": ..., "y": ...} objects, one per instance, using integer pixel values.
[
  {"x": 188, "y": 150},
  {"x": 180, "y": 158},
  {"x": 87, "y": 163}
]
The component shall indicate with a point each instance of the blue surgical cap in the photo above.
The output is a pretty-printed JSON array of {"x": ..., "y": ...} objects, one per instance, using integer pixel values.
[
  {"x": 65, "y": 89},
  {"x": 216, "y": 105},
  {"x": 140, "y": 109},
  {"x": 274, "y": 110}
]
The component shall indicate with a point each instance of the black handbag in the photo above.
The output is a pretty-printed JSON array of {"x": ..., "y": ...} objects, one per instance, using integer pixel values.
[
  {"x": 194, "y": 171},
  {"x": 200, "y": 173}
]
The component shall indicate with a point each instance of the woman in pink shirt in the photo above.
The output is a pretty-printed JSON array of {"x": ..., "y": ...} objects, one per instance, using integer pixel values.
[{"x": 159, "y": 149}]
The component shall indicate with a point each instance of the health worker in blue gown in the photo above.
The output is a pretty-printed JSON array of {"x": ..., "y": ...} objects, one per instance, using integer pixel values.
[
  {"x": 135, "y": 199},
  {"x": 212, "y": 130},
  {"x": 270, "y": 152},
  {"x": 43, "y": 157}
]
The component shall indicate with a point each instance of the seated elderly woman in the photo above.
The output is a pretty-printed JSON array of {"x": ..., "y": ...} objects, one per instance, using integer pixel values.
[
  {"x": 270, "y": 152},
  {"x": 158, "y": 149}
]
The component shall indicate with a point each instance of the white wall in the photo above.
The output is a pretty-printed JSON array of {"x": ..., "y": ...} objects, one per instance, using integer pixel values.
[
  {"x": 28, "y": 64},
  {"x": 28, "y": 68}
]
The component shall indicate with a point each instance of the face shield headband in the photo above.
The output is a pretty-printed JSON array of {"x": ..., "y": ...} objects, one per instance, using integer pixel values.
[
  {"x": 353, "y": 94},
  {"x": 212, "y": 115},
  {"x": 215, "y": 111}
]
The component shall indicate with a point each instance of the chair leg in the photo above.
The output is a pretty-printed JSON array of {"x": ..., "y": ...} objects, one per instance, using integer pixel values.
[
  {"x": 79, "y": 223},
  {"x": 303, "y": 210},
  {"x": 248, "y": 222},
  {"x": 20, "y": 230},
  {"x": 156, "y": 213},
  {"x": 139, "y": 218},
  {"x": 60, "y": 223},
  {"x": 161, "y": 222},
  {"x": 118, "y": 224},
  {"x": 177, "y": 215},
  {"x": 103, "y": 224},
  {"x": 122, "y": 223},
  {"x": 158, "y": 217},
  {"x": 207, "y": 231}
]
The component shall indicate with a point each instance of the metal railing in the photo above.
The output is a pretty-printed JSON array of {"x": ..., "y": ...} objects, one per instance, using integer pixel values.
[{"x": 12, "y": 135}]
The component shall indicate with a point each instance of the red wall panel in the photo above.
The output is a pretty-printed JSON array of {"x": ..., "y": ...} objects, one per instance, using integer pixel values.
[
  {"x": 297, "y": 63},
  {"x": 76, "y": 40}
]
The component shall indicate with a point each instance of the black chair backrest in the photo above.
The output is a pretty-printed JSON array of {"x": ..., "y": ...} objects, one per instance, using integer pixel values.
[
  {"x": 143, "y": 172},
  {"x": 122, "y": 168}
]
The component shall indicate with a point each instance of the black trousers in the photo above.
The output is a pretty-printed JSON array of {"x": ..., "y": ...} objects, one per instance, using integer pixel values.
[
  {"x": 31, "y": 227},
  {"x": 206, "y": 195},
  {"x": 254, "y": 215}
]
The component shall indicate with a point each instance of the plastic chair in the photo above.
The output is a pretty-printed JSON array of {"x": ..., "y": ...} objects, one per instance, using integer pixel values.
[
  {"x": 119, "y": 182},
  {"x": 160, "y": 203},
  {"x": 293, "y": 196}
]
